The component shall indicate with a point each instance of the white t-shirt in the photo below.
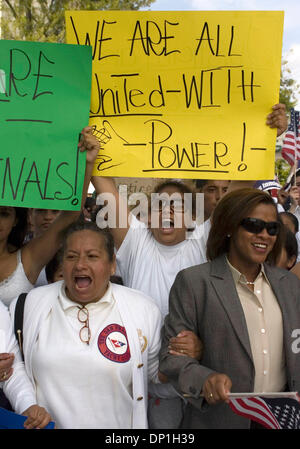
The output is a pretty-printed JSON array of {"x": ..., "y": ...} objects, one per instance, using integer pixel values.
[
  {"x": 280, "y": 208},
  {"x": 84, "y": 386},
  {"x": 15, "y": 284},
  {"x": 18, "y": 387},
  {"x": 42, "y": 279},
  {"x": 148, "y": 266}
]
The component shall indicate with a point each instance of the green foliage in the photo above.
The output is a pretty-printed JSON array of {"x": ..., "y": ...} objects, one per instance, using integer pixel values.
[
  {"x": 44, "y": 20},
  {"x": 288, "y": 87},
  {"x": 282, "y": 170}
]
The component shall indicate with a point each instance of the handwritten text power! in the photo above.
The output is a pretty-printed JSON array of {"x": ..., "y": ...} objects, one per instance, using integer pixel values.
[{"x": 202, "y": 156}]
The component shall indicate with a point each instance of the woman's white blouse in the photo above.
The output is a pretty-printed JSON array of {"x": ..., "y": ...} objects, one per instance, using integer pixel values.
[
  {"x": 84, "y": 386},
  {"x": 18, "y": 387}
]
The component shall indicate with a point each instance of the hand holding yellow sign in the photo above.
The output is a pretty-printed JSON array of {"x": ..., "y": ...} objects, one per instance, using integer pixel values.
[{"x": 182, "y": 94}]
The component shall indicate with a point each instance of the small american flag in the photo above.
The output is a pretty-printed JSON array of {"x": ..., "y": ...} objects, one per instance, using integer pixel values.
[
  {"x": 291, "y": 145},
  {"x": 274, "y": 412},
  {"x": 117, "y": 343}
]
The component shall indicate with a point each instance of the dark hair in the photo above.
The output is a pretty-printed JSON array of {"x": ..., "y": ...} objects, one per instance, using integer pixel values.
[
  {"x": 292, "y": 181},
  {"x": 95, "y": 212},
  {"x": 82, "y": 225},
  {"x": 200, "y": 183},
  {"x": 52, "y": 266},
  {"x": 181, "y": 187},
  {"x": 19, "y": 231},
  {"x": 90, "y": 202},
  {"x": 292, "y": 218},
  {"x": 116, "y": 279},
  {"x": 291, "y": 244},
  {"x": 229, "y": 213}
]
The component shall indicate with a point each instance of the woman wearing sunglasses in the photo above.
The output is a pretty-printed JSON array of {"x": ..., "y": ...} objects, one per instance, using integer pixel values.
[{"x": 242, "y": 307}]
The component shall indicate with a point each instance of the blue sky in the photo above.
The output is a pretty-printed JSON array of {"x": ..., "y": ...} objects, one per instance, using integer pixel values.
[{"x": 291, "y": 8}]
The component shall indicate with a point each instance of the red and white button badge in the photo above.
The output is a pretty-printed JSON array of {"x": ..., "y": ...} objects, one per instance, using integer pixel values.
[{"x": 113, "y": 343}]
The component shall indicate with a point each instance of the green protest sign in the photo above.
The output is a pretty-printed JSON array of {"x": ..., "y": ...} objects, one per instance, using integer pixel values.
[{"x": 44, "y": 101}]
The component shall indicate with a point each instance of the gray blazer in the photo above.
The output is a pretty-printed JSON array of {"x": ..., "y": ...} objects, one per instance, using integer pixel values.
[{"x": 204, "y": 299}]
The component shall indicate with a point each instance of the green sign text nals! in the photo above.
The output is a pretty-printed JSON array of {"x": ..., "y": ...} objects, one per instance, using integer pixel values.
[{"x": 44, "y": 102}]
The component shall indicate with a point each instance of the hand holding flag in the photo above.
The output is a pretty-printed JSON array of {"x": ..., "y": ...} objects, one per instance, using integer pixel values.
[
  {"x": 216, "y": 388},
  {"x": 271, "y": 410}
]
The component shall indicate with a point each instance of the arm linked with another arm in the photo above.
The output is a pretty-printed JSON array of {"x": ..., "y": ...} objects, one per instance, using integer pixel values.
[{"x": 185, "y": 373}]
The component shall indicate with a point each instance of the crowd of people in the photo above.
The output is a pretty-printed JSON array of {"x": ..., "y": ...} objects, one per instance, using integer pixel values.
[{"x": 142, "y": 326}]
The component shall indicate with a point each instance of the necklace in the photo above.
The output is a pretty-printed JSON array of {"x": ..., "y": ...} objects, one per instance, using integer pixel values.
[{"x": 249, "y": 283}]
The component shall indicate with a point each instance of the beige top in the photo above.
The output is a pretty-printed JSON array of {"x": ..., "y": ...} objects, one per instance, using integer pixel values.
[{"x": 264, "y": 322}]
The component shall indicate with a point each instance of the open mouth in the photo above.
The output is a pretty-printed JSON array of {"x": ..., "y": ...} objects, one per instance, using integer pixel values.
[
  {"x": 167, "y": 223},
  {"x": 262, "y": 247},
  {"x": 82, "y": 282}
]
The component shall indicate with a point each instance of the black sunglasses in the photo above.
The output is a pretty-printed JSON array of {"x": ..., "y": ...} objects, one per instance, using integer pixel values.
[{"x": 255, "y": 226}]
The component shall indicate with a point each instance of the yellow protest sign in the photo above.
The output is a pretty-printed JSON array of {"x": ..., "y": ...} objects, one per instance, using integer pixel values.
[{"x": 182, "y": 94}]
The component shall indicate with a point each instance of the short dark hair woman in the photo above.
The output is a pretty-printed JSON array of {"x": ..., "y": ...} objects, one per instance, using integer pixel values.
[
  {"x": 20, "y": 265},
  {"x": 242, "y": 307},
  {"x": 90, "y": 346}
]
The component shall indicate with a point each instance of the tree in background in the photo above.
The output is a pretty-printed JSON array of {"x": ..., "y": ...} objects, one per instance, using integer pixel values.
[
  {"x": 282, "y": 170},
  {"x": 289, "y": 88},
  {"x": 44, "y": 20}
]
